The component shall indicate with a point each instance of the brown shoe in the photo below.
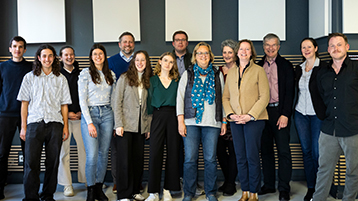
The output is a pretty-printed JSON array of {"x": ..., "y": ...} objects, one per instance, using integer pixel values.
[
  {"x": 245, "y": 196},
  {"x": 114, "y": 189},
  {"x": 254, "y": 197}
]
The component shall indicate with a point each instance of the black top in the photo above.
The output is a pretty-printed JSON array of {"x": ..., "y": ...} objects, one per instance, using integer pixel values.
[
  {"x": 316, "y": 99},
  {"x": 72, "y": 79},
  {"x": 11, "y": 75},
  {"x": 340, "y": 95},
  {"x": 286, "y": 87}
]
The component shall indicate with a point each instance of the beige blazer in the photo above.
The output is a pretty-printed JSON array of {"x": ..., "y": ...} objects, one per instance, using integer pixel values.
[
  {"x": 126, "y": 107},
  {"x": 253, "y": 95}
]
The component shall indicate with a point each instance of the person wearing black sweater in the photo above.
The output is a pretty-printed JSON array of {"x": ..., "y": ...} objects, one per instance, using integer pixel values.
[
  {"x": 11, "y": 74},
  {"x": 70, "y": 69}
]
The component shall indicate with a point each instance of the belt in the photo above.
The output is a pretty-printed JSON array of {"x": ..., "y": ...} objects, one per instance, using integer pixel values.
[{"x": 273, "y": 104}]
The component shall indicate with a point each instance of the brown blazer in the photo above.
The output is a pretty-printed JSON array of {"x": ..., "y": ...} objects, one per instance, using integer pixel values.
[{"x": 253, "y": 95}]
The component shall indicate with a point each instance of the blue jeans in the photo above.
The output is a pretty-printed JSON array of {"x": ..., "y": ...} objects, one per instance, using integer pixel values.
[
  {"x": 247, "y": 144},
  {"x": 308, "y": 130},
  {"x": 97, "y": 148},
  {"x": 209, "y": 138}
]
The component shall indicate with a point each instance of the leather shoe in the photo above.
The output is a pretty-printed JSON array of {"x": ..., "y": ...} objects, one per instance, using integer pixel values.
[
  {"x": 284, "y": 196},
  {"x": 264, "y": 190},
  {"x": 245, "y": 196},
  {"x": 253, "y": 197}
]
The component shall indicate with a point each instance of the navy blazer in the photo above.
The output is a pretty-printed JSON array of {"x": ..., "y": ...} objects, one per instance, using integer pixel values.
[
  {"x": 316, "y": 98},
  {"x": 286, "y": 86}
]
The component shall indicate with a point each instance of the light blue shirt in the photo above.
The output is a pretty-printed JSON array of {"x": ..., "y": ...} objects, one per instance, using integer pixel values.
[
  {"x": 46, "y": 94},
  {"x": 181, "y": 65},
  {"x": 125, "y": 58},
  {"x": 304, "y": 104},
  {"x": 91, "y": 94}
]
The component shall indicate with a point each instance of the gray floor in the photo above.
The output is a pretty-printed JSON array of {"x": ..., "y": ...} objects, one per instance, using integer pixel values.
[{"x": 14, "y": 192}]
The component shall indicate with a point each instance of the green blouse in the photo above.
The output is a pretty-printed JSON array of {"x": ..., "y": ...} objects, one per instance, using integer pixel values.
[{"x": 159, "y": 96}]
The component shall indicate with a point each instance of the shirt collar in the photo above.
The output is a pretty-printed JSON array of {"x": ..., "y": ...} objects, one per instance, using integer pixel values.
[
  {"x": 44, "y": 75},
  {"x": 124, "y": 57},
  {"x": 272, "y": 61},
  {"x": 316, "y": 63}
]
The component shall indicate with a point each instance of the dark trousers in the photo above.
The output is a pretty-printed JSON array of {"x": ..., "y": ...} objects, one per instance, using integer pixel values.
[
  {"x": 281, "y": 137},
  {"x": 247, "y": 141},
  {"x": 36, "y": 135},
  {"x": 130, "y": 161},
  {"x": 8, "y": 126},
  {"x": 227, "y": 159},
  {"x": 164, "y": 129}
]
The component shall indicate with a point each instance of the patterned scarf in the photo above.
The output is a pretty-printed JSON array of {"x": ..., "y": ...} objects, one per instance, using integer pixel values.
[{"x": 202, "y": 91}]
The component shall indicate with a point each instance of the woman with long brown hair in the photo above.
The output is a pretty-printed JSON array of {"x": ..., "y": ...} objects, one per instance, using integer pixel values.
[
  {"x": 132, "y": 124},
  {"x": 95, "y": 87}
]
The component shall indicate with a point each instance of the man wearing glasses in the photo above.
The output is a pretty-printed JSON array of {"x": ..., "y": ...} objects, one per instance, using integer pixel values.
[
  {"x": 180, "y": 44},
  {"x": 280, "y": 74}
]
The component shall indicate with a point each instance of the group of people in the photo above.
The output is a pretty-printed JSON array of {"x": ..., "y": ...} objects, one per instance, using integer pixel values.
[{"x": 237, "y": 112}]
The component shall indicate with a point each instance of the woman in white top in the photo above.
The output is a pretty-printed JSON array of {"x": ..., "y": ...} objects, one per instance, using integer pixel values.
[
  {"x": 309, "y": 110},
  {"x": 95, "y": 87}
]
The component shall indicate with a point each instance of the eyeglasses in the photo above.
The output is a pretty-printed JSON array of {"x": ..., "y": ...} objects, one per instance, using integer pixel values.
[
  {"x": 202, "y": 54},
  {"x": 179, "y": 40}
]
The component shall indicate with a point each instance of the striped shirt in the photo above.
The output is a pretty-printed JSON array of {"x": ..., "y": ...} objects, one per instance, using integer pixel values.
[
  {"x": 92, "y": 94},
  {"x": 46, "y": 94}
]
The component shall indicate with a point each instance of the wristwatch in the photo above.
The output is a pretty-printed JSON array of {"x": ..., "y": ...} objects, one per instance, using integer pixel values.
[{"x": 252, "y": 118}]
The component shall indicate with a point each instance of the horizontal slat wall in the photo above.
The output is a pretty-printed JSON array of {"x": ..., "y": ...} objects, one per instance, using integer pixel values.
[{"x": 297, "y": 162}]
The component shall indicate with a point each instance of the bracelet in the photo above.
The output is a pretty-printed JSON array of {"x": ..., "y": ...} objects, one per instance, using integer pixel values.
[{"x": 224, "y": 122}]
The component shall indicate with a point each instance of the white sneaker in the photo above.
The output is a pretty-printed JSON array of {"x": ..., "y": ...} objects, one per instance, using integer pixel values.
[
  {"x": 167, "y": 196},
  {"x": 125, "y": 199},
  {"x": 153, "y": 197},
  {"x": 68, "y": 191},
  {"x": 138, "y": 197}
]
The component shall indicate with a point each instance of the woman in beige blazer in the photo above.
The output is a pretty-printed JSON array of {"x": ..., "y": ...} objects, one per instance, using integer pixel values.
[
  {"x": 246, "y": 95},
  {"x": 132, "y": 124}
]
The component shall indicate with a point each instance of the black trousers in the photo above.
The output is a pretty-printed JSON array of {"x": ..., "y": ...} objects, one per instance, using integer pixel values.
[
  {"x": 164, "y": 130},
  {"x": 227, "y": 159},
  {"x": 281, "y": 137},
  {"x": 130, "y": 162},
  {"x": 8, "y": 126},
  {"x": 36, "y": 135}
]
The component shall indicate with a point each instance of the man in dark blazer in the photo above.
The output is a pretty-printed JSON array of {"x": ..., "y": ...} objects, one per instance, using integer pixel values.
[{"x": 280, "y": 74}]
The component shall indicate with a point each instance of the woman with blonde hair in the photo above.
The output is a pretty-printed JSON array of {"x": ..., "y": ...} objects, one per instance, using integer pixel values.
[
  {"x": 164, "y": 128},
  {"x": 200, "y": 116},
  {"x": 245, "y": 98}
]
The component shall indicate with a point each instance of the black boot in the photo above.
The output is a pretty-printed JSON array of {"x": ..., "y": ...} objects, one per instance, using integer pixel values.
[
  {"x": 91, "y": 193},
  {"x": 309, "y": 194},
  {"x": 99, "y": 195}
]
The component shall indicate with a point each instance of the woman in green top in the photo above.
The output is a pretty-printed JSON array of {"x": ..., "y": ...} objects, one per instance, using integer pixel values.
[{"x": 164, "y": 128}]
